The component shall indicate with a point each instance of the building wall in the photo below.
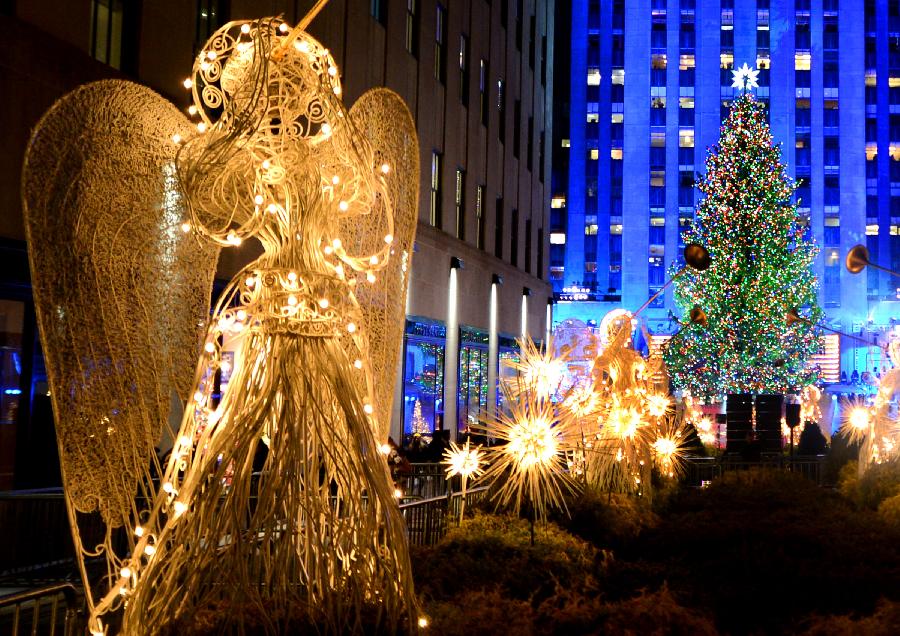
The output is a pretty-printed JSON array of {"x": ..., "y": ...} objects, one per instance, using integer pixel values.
[
  {"x": 47, "y": 51},
  {"x": 820, "y": 110}
]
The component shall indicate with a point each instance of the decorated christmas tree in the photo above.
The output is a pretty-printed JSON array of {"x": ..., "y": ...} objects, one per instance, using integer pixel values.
[
  {"x": 419, "y": 425},
  {"x": 760, "y": 271}
]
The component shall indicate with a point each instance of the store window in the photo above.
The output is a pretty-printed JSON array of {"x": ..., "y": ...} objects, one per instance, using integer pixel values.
[
  {"x": 423, "y": 377},
  {"x": 12, "y": 314},
  {"x": 473, "y": 377}
]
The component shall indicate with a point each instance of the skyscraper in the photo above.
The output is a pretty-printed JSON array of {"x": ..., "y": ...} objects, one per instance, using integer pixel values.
[{"x": 651, "y": 82}]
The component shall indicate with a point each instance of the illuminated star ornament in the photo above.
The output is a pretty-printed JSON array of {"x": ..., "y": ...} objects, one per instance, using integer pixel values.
[{"x": 745, "y": 78}]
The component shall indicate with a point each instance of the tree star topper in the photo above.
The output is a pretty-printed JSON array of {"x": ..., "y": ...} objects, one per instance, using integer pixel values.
[{"x": 745, "y": 78}]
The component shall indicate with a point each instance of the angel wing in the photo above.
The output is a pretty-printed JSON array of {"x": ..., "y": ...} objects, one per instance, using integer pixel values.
[
  {"x": 383, "y": 118},
  {"x": 121, "y": 292}
]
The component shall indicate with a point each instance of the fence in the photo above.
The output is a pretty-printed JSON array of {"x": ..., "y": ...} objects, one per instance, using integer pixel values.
[
  {"x": 427, "y": 520},
  {"x": 425, "y": 481},
  {"x": 38, "y": 611},
  {"x": 702, "y": 470}
]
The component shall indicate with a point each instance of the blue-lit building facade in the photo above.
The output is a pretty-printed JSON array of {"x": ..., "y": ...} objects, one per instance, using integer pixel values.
[{"x": 650, "y": 83}]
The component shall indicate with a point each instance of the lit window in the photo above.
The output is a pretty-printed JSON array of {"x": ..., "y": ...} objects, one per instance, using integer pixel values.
[
  {"x": 615, "y": 153},
  {"x": 590, "y": 229},
  {"x": 657, "y": 139},
  {"x": 686, "y": 138},
  {"x": 832, "y": 256},
  {"x": 617, "y": 118},
  {"x": 893, "y": 82},
  {"x": 685, "y": 102},
  {"x": 762, "y": 61},
  {"x": 658, "y": 221},
  {"x": 593, "y": 118},
  {"x": 831, "y": 221},
  {"x": 872, "y": 229},
  {"x": 658, "y": 61},
  {"x": 566, "y": 143},
  {"x": 557, "y": 238},
  {"x": 593, "y": 77},
  {"x": 871, "y": 151},
  {"x": 871, "y": 77},
  {"x": 558, "y": 202},
  {"x": 685, "y": 62},
  {"x": 618, "y": 76},
  {"x": 802, "y": 61},
  {"x": 726, "y": 60},
  {"x": 595, "y": 154},
  {"x": 615, "y": 229}
]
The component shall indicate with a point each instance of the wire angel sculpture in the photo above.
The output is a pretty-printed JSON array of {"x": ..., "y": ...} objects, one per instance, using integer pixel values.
[{"x": 331, "y": 195}]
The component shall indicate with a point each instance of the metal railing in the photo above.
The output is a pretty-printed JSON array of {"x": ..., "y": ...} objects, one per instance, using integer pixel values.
[
  {"x": 45, "y": 611},
  {"x": 425, "y": 481},
  {"x": 34, "y": 529},
  {"x": 427, "y": 520},
  {"x": 702, "y": 470}
]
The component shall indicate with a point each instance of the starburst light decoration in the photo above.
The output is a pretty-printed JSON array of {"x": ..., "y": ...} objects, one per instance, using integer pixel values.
[
  {"x": 466, "y": 462},
  {"x": 540, "y": 371},
  {"x": 331, "y": 194},
  {"x": 528, "y": 466},
  {"x": 745, "y": 78},
  {"x": 874, "y": 426}
]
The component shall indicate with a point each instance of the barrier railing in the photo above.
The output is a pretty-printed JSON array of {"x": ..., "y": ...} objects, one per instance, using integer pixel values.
[
  {"x": 47, "y": 611},
  {"x": 427, "y": 520},
  {"x": 702, "y": 470}
]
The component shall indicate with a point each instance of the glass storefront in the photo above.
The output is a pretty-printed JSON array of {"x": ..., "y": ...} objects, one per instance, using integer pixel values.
[
  {"x": 12, "y": 316},
  {"x": 473, "y": 377},
  {"x": 423, "y": 377}
]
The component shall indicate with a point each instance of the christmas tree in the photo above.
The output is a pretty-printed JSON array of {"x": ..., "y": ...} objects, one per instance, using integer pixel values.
[
  {"x": 760, "y": 271},
  {"x": 419, "y": 425}
]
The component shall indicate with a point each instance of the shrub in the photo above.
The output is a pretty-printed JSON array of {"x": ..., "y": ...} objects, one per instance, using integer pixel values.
[
  {"x": 481, "y": 612},
  {"x": 495, "y": 552},
  {"x": 656, "y": 613},
  {"x": 608, "y": 521},
  {"x": 878, "y": 483},
  {"x": 762, "y": 549},
  {"x": 883, "y": 622}
]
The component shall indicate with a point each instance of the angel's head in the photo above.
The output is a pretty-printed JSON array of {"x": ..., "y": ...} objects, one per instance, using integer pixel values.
[{"x": 276, "y": 134}]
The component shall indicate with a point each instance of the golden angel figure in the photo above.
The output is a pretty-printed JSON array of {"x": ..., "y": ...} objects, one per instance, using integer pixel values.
[{"x": 315, "y": 537}]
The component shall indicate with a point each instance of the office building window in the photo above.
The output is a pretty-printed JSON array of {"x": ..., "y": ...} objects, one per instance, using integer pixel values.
[
  {"x": 501, "y": 111},
  {"x": 514, "y": 238},
  {"x": 435, "y": 218},
  {"x": 529, "y": 147},
  {"x": 517, "y": 127},
  {"x": 498, "y": 228},
  {"x": 106, "y": 32},
  {"x": 211, "y": 14},
  {"x": 484, "y": 95},
  {"x": 479, "y": 217},
  {"x": 464, "y": 70},
  {"x": 412, "y": 28},
  {"x": 378, "y": 10},
  {"x": 440, "y": 45},
  {"x": 460, "y": 200}
]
